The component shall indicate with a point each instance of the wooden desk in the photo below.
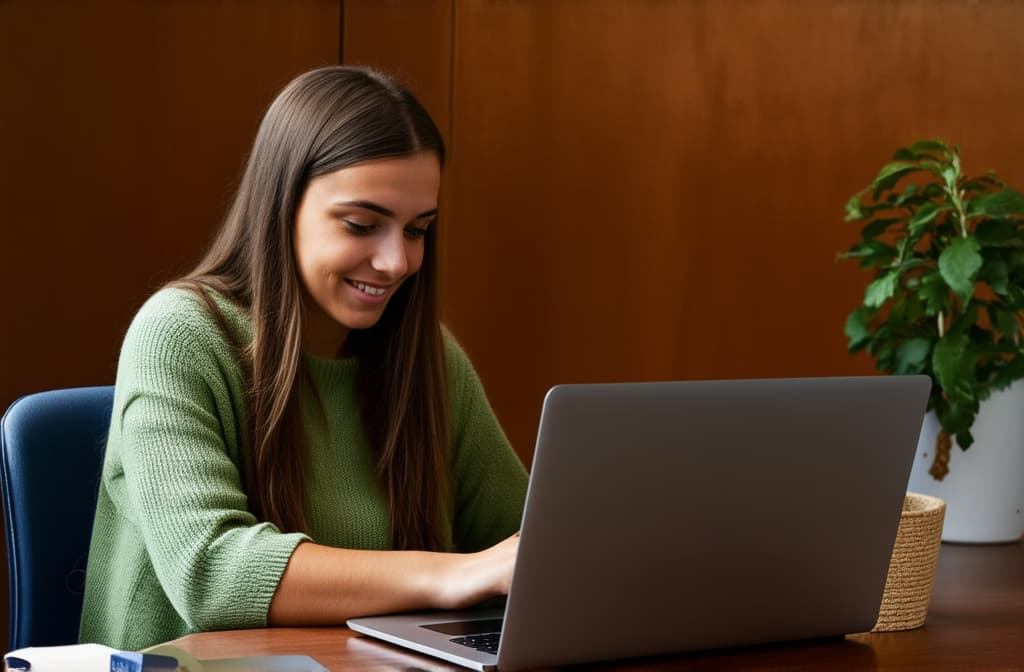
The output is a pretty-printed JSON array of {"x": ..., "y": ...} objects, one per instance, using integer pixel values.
[{"x": 975, "y": 622}]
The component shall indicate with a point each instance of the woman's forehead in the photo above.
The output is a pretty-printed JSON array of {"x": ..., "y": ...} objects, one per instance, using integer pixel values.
[{"x": 397, "y": 183}]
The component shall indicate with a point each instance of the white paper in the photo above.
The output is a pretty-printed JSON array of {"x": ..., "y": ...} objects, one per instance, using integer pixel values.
[
  {"x": 79, "y": 657},
  {"x": 96, "y": 658}
]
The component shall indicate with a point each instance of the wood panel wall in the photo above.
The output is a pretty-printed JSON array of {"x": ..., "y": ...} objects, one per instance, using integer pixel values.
[
  {"x": 654, "y": 189},
  {"x": 124, "y": 127},
  {"x": 638, "y": 189}
]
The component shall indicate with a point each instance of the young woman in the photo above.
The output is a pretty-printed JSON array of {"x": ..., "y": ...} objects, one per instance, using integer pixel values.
[{"x": 295, "y": 440}]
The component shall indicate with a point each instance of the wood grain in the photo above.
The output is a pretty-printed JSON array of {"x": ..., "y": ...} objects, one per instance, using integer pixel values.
[
  {"x": 124, "y": 127},
  {"x": 973, "y": 624},
  {"x": 654, "y": 189}
]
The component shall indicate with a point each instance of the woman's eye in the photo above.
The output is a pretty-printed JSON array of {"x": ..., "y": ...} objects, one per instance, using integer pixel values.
[
  {"x": 415, "y": 232},
  {"x": 358, "y": 229}
]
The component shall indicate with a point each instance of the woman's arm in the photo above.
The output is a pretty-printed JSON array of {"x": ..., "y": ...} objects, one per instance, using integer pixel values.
[
  {"x": 490, "y": 480},
  {"x": 324, "y": 586}
]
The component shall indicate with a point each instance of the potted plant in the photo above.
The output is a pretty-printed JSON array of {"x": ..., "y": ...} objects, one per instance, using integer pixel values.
[{"x": 947, "y": 254}]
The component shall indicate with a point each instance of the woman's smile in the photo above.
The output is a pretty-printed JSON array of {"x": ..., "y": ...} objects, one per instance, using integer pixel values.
[{"x": 368, "y": 292}]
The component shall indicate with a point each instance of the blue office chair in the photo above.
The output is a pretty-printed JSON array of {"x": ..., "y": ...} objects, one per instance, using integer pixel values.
[{"x": 52, "y": 446}]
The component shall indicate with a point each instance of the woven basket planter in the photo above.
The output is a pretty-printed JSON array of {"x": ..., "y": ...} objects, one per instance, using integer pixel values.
[{"x": 908, "y": 586}]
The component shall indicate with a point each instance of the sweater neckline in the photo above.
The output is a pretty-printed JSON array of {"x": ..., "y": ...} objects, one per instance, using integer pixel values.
[{"x": 326, "y": 368}]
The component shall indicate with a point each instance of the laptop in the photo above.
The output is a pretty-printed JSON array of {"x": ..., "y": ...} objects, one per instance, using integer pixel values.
[{"x": 680, "y": 516}]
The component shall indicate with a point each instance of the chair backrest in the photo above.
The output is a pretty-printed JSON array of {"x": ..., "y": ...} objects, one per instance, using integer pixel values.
[{"x": 52, "y": 446}]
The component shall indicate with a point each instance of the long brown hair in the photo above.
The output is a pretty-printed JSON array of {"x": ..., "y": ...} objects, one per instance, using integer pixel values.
[{"x": 322, "y": 121}]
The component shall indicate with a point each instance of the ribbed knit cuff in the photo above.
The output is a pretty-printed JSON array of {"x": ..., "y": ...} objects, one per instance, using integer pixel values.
[{"x": 265, "y": 576}]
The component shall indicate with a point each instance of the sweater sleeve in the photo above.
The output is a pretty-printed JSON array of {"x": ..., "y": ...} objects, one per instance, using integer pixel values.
[
  {"x": 180, "y": 450},
  {"x": 490, "y": 480}
]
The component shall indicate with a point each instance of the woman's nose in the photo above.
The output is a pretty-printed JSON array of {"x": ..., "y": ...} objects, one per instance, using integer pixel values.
[{"x": 391, "y": 256}]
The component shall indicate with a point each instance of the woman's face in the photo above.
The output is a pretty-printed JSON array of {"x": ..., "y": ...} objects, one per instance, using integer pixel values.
[{"x": 359, "y": 233}]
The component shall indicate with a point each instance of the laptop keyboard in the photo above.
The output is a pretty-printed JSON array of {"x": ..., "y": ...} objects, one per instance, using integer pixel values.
[{"x": 486, "y": 643}]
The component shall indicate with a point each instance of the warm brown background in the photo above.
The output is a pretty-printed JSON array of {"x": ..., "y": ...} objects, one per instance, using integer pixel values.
[
  {"x": 124, "y": 129},
  {"x": 639, "y": 189}
]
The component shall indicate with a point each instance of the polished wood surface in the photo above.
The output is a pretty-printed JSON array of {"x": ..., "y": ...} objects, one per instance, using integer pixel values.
[{"x": 975, "y": 622}]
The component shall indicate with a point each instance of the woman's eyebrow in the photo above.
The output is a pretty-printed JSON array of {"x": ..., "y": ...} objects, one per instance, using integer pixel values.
[{"x": 380, "y": 209}]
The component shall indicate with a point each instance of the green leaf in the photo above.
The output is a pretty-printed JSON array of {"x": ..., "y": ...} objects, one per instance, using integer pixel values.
[
  {"x": 998, "y": 233},
  {"x": 912, "y": 203},
  {"x": 853, "y": 209},
  {"x": 990, "y": 353},
  {"x": 934, "y": 293},
  {"x": 907, "y": 194},
  {"x": 906, "y": 311},
  {"x": 964, "y": 321},
  {"x": 877, "y": 227},
  {"x": 949, "y": 174},
  {"x": 905, "y": 247},
  {"x": 890, "y": 175},
  {"x": 983, "y": 183},
  {"x": 883, "y": 356},
  {"x": 964, "y": 438},
  {"x": 935, "y": 168},
  {"x": 882, "y": 335},
  {"x": 958, "y": 264},
  {"x": 858, "y": 328},
  {"x": 923, "y": 217},
  {"x": 996, "y": 273},
  {"x": 1015, "y": 258},
  {"x": 956, "y": 417},
  {"x": 896, "y": 168},
  {"x": 867, "y": 248},
  {"x": 1015, "y": 298},
  {"x": 1005, "y": 322},
  {"x": 872, "y": 254},
  {"x": 927, "y": 146},
  {"x": 880, "y": 290},
  {"x": 953, "y": 365},
  {"x": 903, "y": 154},
  {"x": 997, "y": 204},
  {"x": 911, "y": 264},
  {"x": 1013, "y": 370},
  {"x": 912, "y": 355}
]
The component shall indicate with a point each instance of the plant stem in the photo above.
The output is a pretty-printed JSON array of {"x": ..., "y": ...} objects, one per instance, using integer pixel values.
[
  {"x": 940, "y": 463},
  {"x": 942, "y": 326},
  {"x": 961, "y": 217},
  {"x": 956, "y": 196}
]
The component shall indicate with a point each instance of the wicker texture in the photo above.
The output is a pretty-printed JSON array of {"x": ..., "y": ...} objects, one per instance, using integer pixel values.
[{"x": 908, "y": 586}]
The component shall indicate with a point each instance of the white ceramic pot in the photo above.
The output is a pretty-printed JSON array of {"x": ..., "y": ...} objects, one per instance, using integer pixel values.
[{"x": 984, "y": 489}]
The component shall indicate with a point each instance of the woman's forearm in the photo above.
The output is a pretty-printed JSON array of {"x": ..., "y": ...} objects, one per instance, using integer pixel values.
[{"x": 325, "y": 586}]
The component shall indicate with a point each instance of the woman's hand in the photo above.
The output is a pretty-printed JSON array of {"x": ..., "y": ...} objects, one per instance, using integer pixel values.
[
  {"x": 475, "y": 577},
  {"x": 325, "y": 586}
]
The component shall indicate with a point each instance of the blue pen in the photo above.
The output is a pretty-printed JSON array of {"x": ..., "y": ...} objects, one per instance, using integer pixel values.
[{"x": 12, "y": 663}]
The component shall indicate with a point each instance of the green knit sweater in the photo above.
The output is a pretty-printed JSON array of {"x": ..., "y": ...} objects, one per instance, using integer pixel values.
[{"x": 174, "y": 548}]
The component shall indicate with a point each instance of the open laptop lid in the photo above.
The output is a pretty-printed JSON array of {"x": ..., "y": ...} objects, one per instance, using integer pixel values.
[
  {"x": 665, "y": 517},
  {"x": 687, "y": 515}
]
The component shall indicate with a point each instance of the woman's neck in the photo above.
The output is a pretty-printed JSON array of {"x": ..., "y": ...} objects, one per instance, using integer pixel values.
[{"x": 322, "y": 336}]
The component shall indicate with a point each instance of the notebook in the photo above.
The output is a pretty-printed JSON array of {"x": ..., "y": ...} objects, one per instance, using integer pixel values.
[{"x": 678, "y": 516}]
